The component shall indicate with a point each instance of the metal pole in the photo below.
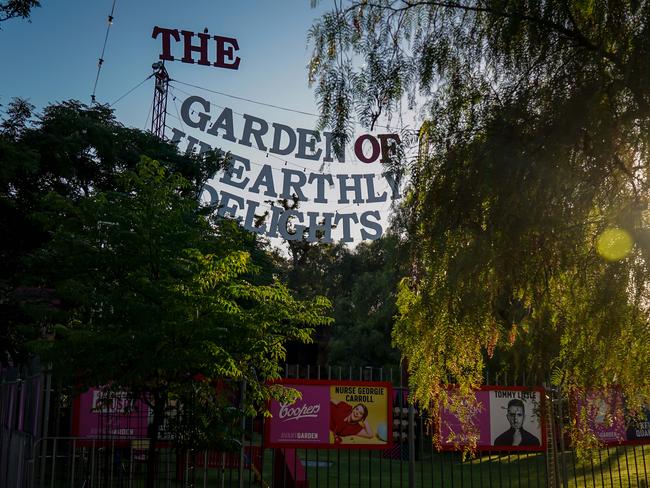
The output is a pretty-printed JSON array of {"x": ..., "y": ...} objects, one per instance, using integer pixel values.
[
  {"x": 243, "y": 433},
  {"x": 74, "y": 458},
  {"x": 565, "y": 481},
  {"x": 411, "y": 431},
  {"x": 411, "y": 444},
  {"x": 46, "y": 421},
  {"x": 53, "y": 463}
]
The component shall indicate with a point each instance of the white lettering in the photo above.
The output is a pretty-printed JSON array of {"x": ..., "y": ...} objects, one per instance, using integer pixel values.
[{"x": 295, "y": 413}]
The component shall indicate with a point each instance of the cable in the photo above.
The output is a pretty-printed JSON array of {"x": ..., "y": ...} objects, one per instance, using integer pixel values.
[
  {"x": 271, "y": 105},
  {"x": 131, "y": 90},
  {"x": 146, "y": 122},
  {"x": 177, "y": 113},
  {"x": 101, "y": 58},
  {"x": 349, "y": 159},
  {"x": 247, "y": 99}
]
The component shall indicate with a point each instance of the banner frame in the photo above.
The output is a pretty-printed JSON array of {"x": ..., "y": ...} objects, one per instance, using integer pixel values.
[
  {"x": 574, "y": 413},
  {"x": 542, "y": 424},
  {"x": 297, "y": 445}
]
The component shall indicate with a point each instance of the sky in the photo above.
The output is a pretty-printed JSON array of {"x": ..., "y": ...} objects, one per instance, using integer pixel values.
[{"x": 54, "y": 57}]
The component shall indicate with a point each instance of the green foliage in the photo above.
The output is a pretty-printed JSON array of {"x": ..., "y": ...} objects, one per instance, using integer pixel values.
[
  {"x": 120, "y": 278},
  {"x": 362, "y": 285},
  {"x": 73, "y": 151},
  {"x": 151, "y": 297},
  {"x": 10, "y": 9},
  {"x": 364, "y": 304},
  {"x": 536, "y": 144}
]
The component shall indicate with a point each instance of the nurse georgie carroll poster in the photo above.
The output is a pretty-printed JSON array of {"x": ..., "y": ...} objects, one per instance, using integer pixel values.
[
  {"x": 503, "y": 418},
  {"x": 332, "y": 414}
]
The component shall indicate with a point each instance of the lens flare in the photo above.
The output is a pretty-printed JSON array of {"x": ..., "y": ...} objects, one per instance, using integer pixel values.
[{"x": 614, "y": 244}]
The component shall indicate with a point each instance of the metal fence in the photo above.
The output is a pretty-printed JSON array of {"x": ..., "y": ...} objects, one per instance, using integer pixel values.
[
  {"x": 63, "y": 461},
  {"x": 24, "y": 414}
]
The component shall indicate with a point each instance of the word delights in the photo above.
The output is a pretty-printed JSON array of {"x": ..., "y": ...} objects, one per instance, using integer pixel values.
[{"x": 224, "y": 47}]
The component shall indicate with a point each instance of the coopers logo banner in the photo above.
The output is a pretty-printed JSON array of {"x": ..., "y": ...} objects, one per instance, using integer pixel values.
[{"x": 333, "y": 414}]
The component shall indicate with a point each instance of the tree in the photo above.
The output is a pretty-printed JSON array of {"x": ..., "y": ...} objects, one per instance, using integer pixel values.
[
  {"x": 71, "y": 150},
  {"x": 17, "y": 8},
  {"x": 362, "y": 284},
  {"x": 135, "y": 286},
  {"x": 532, "y": 176},
  {"x": 157, "y": 301},
  {"x": 17, "y": 117},
  {"x": 365, "y": 304}
]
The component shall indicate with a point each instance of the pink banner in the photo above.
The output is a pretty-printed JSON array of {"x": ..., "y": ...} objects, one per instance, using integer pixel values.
[
  {"x": 607, "y": 418},
  {"x": 332, "y": 414},
  {"x": 114, "y": 416},
  {"x": 503, "y": 418}
]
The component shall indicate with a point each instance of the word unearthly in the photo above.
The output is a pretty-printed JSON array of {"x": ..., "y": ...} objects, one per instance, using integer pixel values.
[{"x": 225, "y": 47}]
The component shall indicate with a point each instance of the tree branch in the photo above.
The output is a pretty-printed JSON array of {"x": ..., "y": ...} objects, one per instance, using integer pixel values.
[{"x": 573, "y": 34}]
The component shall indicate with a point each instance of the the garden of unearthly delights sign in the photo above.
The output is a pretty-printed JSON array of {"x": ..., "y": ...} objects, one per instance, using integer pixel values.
[{"x": 294, "y": 163}]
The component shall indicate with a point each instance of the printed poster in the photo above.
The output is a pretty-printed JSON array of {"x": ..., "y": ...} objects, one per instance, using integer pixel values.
[
  {"x": 333, "y": 414},
  {"x": 503, "y": 418},
  {"x": 607, "y": 417},
  {"x": 112, "y": 416}
]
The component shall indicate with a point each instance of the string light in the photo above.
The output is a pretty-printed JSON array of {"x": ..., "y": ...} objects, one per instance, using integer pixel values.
[{"x": 100, "y": 63}]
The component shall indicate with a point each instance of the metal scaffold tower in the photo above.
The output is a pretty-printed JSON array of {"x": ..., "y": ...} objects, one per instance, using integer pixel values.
[{"x": 161, "y": 89}]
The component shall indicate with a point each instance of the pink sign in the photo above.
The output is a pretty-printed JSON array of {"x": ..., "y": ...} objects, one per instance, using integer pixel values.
[
  {"x": 452, "y": 432},
  {"x": 306, "y": 421},
  {"x": 508, "y": 419},
  {"x": 332, "y": 414},
  {"x": 603, "y": 413},
  {"x": 101, "y": 415}
]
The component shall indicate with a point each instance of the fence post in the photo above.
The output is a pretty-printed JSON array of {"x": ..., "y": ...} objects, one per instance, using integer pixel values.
[
  {"x": 243, "y": 434},
  {"x": 551, "y": 446},
  {"x": 565, "y": 481},
  {"x": 46, "y": 419},
  {"x": 411, "y": 443}
]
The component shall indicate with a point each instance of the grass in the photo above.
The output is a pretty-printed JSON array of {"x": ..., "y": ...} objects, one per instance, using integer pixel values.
[{"x": 623, "y": 467}]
